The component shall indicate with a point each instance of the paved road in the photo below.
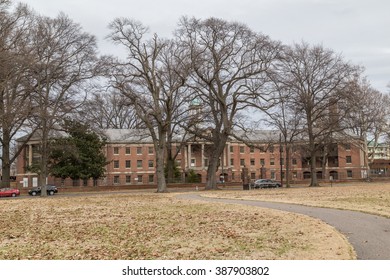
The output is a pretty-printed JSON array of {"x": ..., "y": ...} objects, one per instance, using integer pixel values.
[{"x": 368, "y": 234}]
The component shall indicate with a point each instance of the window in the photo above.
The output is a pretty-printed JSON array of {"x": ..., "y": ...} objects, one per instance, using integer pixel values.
[
  {"x": 348, "y": 159},
  {"x": 242, "y": 162},
  {"x": 193, "y": 162},
  {"x": 272, "y": 161},
  {"x": 206, "y": 162},
  {"x": 231, "y": 162},
  {"x": 128, "y": 163},
  {"x": 128, "y": 179},
  {"x": 231, "y": 149},
  {"x": 252, "y": 161},
  {"x": 151, "y": 178},
  {"x": 262, "y": 162},
  {"x": 139, "y": 150},
  {"x": 150, "y": 150},
  {"x": 139, "y": 178},
  {"x": 307, "y": 174},
  {"x": 139, "y": 163},
  {"x": 347, "y": 146},
  {"x": 36, "y": 154},
  {"x": 253, "y": 176},
  {"x": 116, "y": 163},
  {"x": 128, "y": 151},
  {"x": 242, "y": 149},
  {"x": 233, "y": 177},
  {"x": 252, "y": 149},
  {"x": 116, "y": 150},
  {"x": 294, "y": 161},
  {"x": 273, "y": 175},
  {"x": 150, "y": 163},
  {"x": 349, "y": 173},
  {"x": 116, "y": 179},
  {"x": 271, "y": 149},
  {"x": 334, "y": 175}
]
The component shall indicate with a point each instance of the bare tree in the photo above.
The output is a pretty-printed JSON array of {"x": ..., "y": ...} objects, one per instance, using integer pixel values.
[
  {"x": 105, "y": 110},
  {"x": 64, "y": 61},
  {"x": 368, "y": 117},
  {"x": 15, "y": 95},
  {"x": 230, "y": 64},
  {"x": 286, "y": 119},
  {"x": 318, "y": 80},
  {"x": 152, "y": 79}
]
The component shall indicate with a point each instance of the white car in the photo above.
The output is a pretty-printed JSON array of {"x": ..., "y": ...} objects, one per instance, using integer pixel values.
[{"x": 266, "y": 183}]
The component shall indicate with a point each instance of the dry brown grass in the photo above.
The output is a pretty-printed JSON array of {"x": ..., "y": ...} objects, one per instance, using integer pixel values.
[
  {"x": 156, "y": 226},
  {"x": 371, "y": 198}
]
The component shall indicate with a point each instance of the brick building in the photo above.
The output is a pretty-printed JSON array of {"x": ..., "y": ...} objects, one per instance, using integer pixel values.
[{"x": 132, "y": 160}]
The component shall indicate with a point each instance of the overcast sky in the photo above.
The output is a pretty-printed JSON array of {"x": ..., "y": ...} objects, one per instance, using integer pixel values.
[{"x": 358, "y": 29}]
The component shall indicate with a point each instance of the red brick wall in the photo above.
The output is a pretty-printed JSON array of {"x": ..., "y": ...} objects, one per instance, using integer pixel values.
[{"x": 251, "y": 158}]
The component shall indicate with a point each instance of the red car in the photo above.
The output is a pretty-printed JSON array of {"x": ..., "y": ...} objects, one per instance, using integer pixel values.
[{"x": 9, "y": 192}]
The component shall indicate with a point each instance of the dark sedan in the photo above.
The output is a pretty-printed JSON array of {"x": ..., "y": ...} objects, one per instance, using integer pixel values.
[
  {"x": 266, "y": 183},
  {"x": 50, "y": 190},
  {"x": 9, "y": 192}
]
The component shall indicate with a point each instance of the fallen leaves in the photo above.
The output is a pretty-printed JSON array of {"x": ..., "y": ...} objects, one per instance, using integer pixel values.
[{"x": 158, "y": 226}]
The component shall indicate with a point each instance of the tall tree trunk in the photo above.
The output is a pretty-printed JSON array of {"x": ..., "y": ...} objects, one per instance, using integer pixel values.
[
  {"x": 215, "y": 155},
  {"x": 44, "y": 159},
  {"x": 313, "y": 169},
  {"x": 313, "y": 150},
  {"x": 324, "y": 161},
  {"x": 288, "y": 171},
  {"x": 212, "y": 169},
  {"x": 366, "y": 157},
  {"x": 170, "y": 164},
  {"x": 160, "y": 156},
  {"x": 6, "y": 164}
]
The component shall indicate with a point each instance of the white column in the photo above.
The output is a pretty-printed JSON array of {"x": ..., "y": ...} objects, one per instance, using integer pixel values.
[
  {"x": 225, "y": 157},
  {"x": 189, "y": 155},
  {"x": 228, "y": 155},
  {"x": 202, "y": 157},
  {"x": 30, "y": 154}
]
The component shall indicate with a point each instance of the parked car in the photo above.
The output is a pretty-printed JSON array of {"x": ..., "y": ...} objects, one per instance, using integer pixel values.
[
  {"x": 9, "y": 192},
  {"x": 50, "y": 190},
  {"x": 266, "y": 183}
]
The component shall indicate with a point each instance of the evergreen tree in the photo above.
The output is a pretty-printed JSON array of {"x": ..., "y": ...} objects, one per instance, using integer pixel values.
[{"x": 78, "y": 156}]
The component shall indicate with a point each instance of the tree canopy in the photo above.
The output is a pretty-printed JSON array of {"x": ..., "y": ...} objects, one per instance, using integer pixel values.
[{"x": 78, "y": 156}]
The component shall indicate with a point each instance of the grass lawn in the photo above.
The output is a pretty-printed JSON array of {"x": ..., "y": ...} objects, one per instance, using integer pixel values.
[
  {"x": 371, "y": 197},
  {"x": 159, "y": 226}
]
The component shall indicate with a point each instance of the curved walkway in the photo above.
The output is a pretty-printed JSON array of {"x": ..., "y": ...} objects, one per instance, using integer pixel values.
[{"x": 368, "y": 234}]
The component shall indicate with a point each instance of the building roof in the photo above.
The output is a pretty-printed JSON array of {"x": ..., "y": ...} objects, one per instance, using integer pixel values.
[
  {"x": 143, "y": 136},
  {"x": 258, "y": 135},
  {"x": 127, "y": 135},
  {"x": 37, "y": 135}
]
